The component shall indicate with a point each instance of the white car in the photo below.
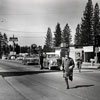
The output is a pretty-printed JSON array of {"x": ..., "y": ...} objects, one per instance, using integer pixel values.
[
  {"x": 4, "y": 57},
  {"x": 30, "y": 60},
  {"x": 19, "y": 57},
  {"x": 52, "y": 60}
]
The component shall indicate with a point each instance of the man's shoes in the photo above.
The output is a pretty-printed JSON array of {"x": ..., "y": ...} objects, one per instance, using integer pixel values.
[
  {"x": 71, "y": 78},
  {"x": 67, "y": 88}
]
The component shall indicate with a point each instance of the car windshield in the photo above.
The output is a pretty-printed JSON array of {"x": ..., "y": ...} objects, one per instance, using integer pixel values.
[
  {"x": 19, "y": 56},
  {"x": 32, "y": 56},
  {"x": 53, "y": 56}
]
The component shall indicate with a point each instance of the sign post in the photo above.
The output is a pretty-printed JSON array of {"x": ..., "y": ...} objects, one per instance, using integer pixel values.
[
  {"x": 13, "y": 39},
  {"x": 96, "y": 51},
  {"x": 64, "y": 48}
]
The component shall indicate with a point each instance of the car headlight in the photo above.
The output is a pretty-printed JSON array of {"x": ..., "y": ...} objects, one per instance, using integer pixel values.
[{"x": 51, "y": 61}]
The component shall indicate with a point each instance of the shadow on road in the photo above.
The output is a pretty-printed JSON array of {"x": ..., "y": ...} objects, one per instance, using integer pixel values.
[
  {"x": 80, "y": 86},
  {"x": 14, "y": 73},
  {"x": 88, "y": 70}
]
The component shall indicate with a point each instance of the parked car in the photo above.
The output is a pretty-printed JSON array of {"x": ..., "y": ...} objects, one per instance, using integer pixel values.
[
  {"x": 52, "y": 60},
  {"x": 4, "y": 57},
  {"x": 12, "y": 57},
  {"x": 33, "y": 59},
  {"x": 19, "y": 57}
]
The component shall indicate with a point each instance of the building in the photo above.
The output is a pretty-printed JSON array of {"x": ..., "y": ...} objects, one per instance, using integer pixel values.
[{"x": 86, "y": 52}]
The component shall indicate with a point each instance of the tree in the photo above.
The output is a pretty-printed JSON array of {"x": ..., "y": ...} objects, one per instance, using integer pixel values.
[
  {"x": 10, "y": 48},
  {"x": 87, "y": 24},
  {"x": 66, "y": 36},
  {"x": 25, "y": 49},
  {"x": 0, "y": 40},
  {"x": 5, "y": 44},
  {"x": 48, "y": 41},
  {"x": 77, "y": 38},
  {"x": 96, "y": 23},
  {"x": 17, "y": 48},
  {"x": 5, "y": 37},
  {"x": 33, "y": 49},
  {"x": 0, "y": 44},
  {"x": 57, "y": 38},
  {"x": 46, "y": 49}
]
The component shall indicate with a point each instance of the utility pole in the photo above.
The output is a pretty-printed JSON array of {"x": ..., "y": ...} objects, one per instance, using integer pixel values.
[
  {"x": 13, "y": 39},
  {"x": 96, "y": 47}
]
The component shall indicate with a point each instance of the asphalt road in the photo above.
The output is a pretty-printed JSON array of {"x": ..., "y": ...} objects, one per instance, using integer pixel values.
[{"x": 28, "y": 82}]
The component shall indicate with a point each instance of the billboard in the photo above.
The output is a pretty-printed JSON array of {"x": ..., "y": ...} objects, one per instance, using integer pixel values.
[{"x": 88, "y": 49}]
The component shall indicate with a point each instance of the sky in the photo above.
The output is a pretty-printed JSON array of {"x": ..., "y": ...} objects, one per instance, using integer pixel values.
[{"x": 29, "y": 19}]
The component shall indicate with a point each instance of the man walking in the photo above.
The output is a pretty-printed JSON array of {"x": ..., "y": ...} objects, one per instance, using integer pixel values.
[
  {"x": 41, "y": 60},
  {"x": 68, "y": 65},
  {"x": 79, "y": 61}
]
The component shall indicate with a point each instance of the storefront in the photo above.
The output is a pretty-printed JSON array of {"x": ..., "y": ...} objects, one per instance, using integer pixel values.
[
  {"x": 74, "y": 51},
  {"x": 88, "y": 53}
]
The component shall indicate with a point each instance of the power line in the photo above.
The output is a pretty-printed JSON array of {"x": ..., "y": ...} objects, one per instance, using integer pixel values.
[
  {"x": 17, "y": 14},
  {"x": 31, "y": 36},
  {"x": 19, "y": 31}
]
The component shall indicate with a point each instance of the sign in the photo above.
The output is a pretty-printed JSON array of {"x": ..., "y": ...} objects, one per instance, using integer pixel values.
[
  {"x": 88, "y": 49},
  {"x": 12, "y": 53},
  {"x": 64, "y": 45},
  {"x": 63, "y": 51},
  {"x": 37, "y": 48},
  {"x": 13, "y": 39},
  {"x": 96, "y": 50},
  {"x": 34, "y": 45}
]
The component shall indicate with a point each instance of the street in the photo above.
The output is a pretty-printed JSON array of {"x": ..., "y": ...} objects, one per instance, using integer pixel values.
[{"x": 28, "y": 82}]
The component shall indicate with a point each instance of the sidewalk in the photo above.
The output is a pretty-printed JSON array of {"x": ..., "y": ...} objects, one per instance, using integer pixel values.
[{"x": 91, "y": 66}]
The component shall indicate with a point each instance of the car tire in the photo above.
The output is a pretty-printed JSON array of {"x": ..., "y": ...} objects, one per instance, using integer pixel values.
[
  {"x": 49, "y": 67},
  {"x": 41, "y": 67},
  {"x": 61, "y": 68},
  {"x": 23, "y": 63}
]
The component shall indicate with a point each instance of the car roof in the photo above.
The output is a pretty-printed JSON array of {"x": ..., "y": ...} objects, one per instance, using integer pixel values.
[{"x": 50, "y": 53}]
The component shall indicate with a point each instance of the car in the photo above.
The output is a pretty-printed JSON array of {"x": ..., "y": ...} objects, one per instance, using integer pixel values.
[
  {"x": 30, "y": 59},
  {"x": 11, "y": 57},
  {"x": 4, "y": 57},
  {"x": 52, "y": 60},
  {"x": 19, "y": 57}
]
